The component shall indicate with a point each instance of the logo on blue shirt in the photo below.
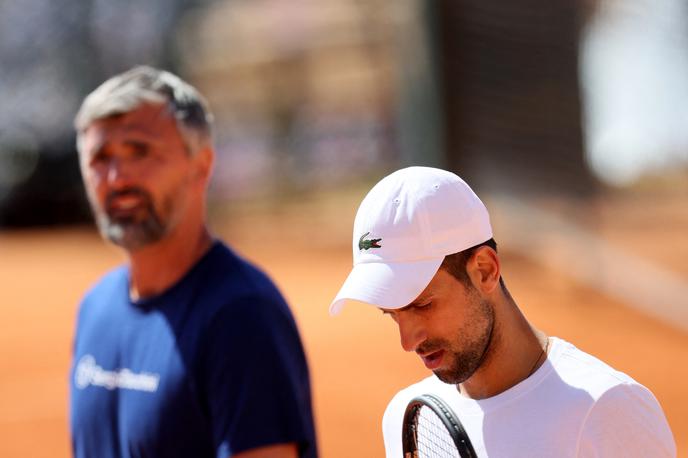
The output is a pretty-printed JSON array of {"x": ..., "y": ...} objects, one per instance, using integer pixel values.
[{"x": 89, "y": 373}]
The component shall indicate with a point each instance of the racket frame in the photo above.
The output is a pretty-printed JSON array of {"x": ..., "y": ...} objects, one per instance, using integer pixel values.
[{"x": 445, "y": 414}]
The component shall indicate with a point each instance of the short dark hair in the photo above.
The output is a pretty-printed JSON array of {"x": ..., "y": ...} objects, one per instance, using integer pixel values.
[{"x": 455, "y": 264}]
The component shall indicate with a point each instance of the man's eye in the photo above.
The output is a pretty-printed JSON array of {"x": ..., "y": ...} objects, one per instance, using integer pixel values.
[
  {"x": 424, "y": 305},
  {"x": 100, "y": 158},
  {"x": 140, "y": 153}
]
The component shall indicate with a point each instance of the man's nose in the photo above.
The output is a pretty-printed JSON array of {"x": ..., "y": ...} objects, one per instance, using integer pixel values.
[
  {"x": 118, "y": 173},
  {"x": 411, "y": 332}
]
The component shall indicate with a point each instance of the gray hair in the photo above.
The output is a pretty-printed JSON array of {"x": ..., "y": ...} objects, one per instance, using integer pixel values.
[{"x": 127, "y": 91}]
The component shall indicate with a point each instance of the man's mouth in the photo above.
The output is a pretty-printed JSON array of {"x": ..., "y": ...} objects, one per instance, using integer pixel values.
[
  {"x": 125, "y": 203},
  {"x": 432, "y": 360}
]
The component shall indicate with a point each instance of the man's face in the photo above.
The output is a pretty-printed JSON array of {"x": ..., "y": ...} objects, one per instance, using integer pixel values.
[
  {"x": 137, "y": 171},
  {"x": 450, "y": 327}
]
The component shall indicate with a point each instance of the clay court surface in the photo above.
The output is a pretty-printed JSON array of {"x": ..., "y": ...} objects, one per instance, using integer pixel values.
[{"x": 356, "y": 361}]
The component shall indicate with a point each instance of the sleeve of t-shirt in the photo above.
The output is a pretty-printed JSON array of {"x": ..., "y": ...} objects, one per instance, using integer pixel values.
[
  {"x": 255, "y": 379},
  {"x": 626, "y": 421}
]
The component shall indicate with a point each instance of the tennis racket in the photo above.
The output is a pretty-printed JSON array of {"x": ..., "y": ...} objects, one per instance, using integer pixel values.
[{"x": 432, "y": 430}]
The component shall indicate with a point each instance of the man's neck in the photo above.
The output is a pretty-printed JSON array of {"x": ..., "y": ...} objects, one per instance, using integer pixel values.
[
  {"x": 516, "y": 351},
  {"x": 157, "y": 267}
]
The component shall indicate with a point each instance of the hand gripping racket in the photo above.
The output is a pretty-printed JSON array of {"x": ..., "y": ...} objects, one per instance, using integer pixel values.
[{"x": 432, "y": 430}]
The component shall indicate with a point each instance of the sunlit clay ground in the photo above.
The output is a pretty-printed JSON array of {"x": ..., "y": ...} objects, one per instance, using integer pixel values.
[{"x": 356, "y": 361}]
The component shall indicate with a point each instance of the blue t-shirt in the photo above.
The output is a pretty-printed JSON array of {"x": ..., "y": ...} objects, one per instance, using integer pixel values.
[{"x": 209, "y": 368}]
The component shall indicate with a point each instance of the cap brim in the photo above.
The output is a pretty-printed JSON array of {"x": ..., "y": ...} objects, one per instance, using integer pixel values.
[{"x": 390, "y": 286}]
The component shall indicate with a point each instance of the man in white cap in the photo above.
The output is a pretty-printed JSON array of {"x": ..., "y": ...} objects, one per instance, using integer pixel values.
[{"x": 424, "y": 254}]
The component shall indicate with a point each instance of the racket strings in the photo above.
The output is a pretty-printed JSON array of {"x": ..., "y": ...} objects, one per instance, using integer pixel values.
[{"x": 433, "y": 439}]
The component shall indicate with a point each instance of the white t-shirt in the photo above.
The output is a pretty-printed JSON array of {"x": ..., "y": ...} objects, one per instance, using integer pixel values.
[{"x": 574, "y": 405}]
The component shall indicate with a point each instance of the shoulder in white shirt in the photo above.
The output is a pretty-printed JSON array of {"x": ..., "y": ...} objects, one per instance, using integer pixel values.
[{"x": 574, "y": 405}]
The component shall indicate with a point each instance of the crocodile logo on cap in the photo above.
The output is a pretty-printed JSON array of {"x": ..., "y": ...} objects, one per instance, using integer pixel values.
[{"x": 368, "y": 243}]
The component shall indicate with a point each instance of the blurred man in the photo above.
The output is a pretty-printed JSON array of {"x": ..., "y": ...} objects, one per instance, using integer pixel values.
[
  {"x": 424, "y": 254},
  {"x": 187, "y": 350}
]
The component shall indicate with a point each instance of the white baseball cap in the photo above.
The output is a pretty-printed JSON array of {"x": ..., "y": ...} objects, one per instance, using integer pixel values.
[{"x": 403, "y": 229}]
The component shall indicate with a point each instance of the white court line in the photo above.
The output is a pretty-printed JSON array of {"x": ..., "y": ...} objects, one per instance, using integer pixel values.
[{"x": 561, "y": 245}]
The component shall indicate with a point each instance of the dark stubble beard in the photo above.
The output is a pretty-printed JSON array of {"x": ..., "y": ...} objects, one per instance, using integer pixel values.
[
  {"x": 134, "y": 231},
  {"x": 468, "y": 351}
]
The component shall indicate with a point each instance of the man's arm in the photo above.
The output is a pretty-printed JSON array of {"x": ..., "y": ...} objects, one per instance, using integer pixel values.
[
  {"x": 627, "y": 421},
  {"x": 270, "y": 451},
  {"x": 254, "y": 378}
]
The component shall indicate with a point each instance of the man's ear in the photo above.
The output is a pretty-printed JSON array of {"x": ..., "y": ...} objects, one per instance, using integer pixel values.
[
  {"x": 203, "y": 163},
  {"x": 484, "y": 269}
]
